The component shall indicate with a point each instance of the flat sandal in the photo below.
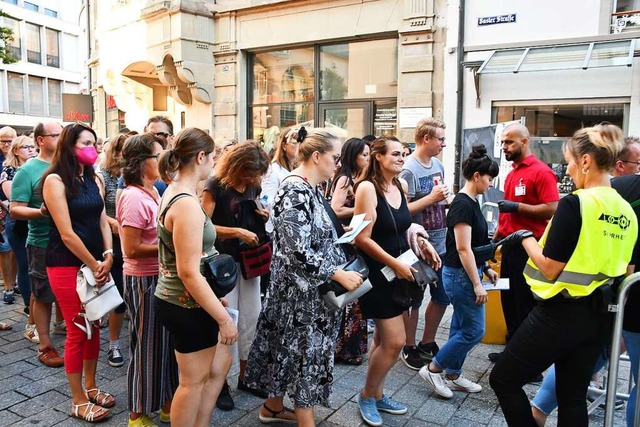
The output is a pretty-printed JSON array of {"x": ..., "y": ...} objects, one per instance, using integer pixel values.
[
  {"x": 89, "y": 413},
  {"x": 101, "y": 398},
  {"x": 274, "y": 418}
]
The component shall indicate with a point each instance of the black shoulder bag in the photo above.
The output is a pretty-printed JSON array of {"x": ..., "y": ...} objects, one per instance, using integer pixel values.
[
  {"x": 220, "y": 270},
  {"x": 405, "y": 293}
]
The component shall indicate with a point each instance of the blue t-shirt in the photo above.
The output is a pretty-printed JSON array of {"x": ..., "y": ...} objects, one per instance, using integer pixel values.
[{"x": 159, "y": 184}]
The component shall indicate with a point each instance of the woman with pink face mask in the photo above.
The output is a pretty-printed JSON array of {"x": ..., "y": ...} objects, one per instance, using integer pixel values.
[{"x": 73, "y": 197}]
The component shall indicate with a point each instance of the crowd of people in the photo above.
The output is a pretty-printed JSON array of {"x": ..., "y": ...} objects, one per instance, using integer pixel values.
[{"x": 154, "y": 211}]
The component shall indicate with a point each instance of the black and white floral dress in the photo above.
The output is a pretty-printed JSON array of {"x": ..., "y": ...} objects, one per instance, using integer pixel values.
[{"x": 296, "y": 337}]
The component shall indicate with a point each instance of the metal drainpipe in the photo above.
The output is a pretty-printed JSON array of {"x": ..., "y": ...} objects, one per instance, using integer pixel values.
[{"x": 459, "y": 97}]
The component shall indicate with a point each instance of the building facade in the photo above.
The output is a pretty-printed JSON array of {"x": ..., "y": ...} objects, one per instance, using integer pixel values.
[
  {"x": 557, "y": 66},
  {"x": 49, "y": 45},
  {"x": 246, "y": 68}
]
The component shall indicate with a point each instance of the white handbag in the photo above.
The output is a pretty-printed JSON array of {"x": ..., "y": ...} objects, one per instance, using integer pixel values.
[{"x": 96, "y": 301}]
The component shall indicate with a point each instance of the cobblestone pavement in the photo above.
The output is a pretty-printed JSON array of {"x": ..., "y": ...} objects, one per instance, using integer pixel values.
[{"x": 34, "y": 395}]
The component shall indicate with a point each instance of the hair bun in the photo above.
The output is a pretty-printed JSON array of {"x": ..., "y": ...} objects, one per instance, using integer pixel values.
[
  {"x": 478, "y": 151},
  {"x": 302, "y": 134}
]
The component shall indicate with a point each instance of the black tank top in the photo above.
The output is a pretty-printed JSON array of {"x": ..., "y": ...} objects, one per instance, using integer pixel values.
[
  {"x": 85, "y": 210},
  {"x": 384, "y": 232}
]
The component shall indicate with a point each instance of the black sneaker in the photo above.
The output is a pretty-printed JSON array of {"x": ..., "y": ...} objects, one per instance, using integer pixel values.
[
  {"x": 428, "y": 351},
  {"x": 225, "y": 401},
  {"x": 255, "y": 391},
  {"x": 16, "y": 290},
  {"x": 114, "y": 357},
  {"x": 494, "y": 356},
  {"x": 411, "y": 357},
  {"x": 8, "y": 297}
]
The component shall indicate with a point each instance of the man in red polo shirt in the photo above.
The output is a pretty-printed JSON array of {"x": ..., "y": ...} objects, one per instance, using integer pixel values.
[{"x": 530, "y": 200}]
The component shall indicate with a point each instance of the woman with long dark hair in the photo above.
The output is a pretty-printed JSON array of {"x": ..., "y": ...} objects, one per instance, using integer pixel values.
[
  {"x": 354, "y": 158},
  {"x": 80, "y": 234},
  {"x": 379, "y": 195}
]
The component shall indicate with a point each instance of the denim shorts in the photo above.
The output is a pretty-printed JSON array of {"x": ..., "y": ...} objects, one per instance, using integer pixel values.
[{"x": 4, "y": 246}]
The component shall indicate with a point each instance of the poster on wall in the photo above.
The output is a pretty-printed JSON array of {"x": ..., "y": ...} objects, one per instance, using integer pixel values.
[{"x": 489, "y": 136}]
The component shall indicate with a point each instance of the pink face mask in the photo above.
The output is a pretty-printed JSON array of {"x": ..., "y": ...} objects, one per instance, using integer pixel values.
[{"x": 87, "y": 155}]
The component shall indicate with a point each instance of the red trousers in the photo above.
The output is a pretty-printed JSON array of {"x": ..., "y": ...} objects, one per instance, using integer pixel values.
[{"x": 77, "y": 348}]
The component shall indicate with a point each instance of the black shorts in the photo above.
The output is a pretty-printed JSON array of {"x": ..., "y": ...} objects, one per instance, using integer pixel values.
[{"x": 192, "y": 329}]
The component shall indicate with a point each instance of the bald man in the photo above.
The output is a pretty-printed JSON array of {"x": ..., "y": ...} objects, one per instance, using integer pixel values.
[{"x": 530, "y": 200}]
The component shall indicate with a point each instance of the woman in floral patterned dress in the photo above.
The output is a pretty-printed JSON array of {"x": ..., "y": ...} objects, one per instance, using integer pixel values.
[{"x": 293, "y": 349}]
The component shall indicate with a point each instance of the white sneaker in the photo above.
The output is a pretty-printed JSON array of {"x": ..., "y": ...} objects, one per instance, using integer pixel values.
[
  {"x": 463, "y": 384},
  {"x": 31, "y": 333},
  {"x": 435, "y": 381}
]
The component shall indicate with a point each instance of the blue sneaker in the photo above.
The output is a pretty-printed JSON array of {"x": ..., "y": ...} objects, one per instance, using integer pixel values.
[
  {"x": 386, "y": 404},
  {"x": 369, "y": 411}
]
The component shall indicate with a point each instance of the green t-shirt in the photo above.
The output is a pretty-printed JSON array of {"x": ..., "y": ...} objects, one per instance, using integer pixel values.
[{"x": 25, "y": 188}]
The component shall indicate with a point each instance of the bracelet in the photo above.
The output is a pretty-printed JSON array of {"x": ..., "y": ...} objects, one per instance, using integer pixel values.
[
  {"x": 108, "y": 251},
  {"x": 486, "y": 268}
]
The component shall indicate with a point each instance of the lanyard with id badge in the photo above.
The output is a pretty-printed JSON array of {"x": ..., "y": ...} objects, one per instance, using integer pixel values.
[{"x": 520, "y": 189}]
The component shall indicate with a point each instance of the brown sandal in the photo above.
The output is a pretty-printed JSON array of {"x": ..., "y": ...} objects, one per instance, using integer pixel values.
[
  {"x": 276, "y": 415},
  {"x": 101, "y": 398},
  {"x": 92, "y": 413}
]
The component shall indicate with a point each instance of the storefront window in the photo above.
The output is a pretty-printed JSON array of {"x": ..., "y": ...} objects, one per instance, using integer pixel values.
[
  {"x": 355, "y": 82},
  {"x": 359, "y": 70},
  {"x": 283, "y": 76},
  {"x": 561, "y": 120},
  {"x": 551, "y": 125}
]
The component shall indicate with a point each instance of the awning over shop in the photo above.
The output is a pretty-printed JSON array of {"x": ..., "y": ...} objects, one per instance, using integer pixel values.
[{"x": 560, "y": 57}]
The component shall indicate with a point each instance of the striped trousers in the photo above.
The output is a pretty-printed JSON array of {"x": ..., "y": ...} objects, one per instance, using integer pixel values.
[{"x": 152, "y": 376}]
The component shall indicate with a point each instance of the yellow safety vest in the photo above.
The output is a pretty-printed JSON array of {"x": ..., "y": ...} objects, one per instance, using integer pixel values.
[{"x": 607, "y": 237}]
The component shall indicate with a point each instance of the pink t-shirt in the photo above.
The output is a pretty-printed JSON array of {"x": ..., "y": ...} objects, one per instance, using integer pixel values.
[{"x": 137, "y": 208}]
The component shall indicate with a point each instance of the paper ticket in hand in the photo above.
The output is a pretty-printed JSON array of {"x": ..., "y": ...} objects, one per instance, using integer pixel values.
[
  {"x": 357, "y": 225},
  {"x": 502, "y": 285},
  {"x": 408, "y": 258}
]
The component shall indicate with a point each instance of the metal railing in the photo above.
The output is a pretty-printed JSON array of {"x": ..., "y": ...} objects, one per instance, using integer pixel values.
[{"x": 614, "y": 361}]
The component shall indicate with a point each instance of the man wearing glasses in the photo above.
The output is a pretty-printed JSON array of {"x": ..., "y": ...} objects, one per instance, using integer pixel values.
[
  {"x": 8, "y": 264},
  {"x": 427, "y": 195},
  {"x": 26, "y": 204},
  {"x": 161, "y": 127},
  {"x": 629, "y": 158}
]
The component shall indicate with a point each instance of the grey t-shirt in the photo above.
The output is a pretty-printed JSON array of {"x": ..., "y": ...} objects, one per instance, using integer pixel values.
[{"x": 420, "y": 183}]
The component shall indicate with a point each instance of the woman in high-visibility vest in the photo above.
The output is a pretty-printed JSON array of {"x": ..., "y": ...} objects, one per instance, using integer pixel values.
[{"x": 587, "y": 243}]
